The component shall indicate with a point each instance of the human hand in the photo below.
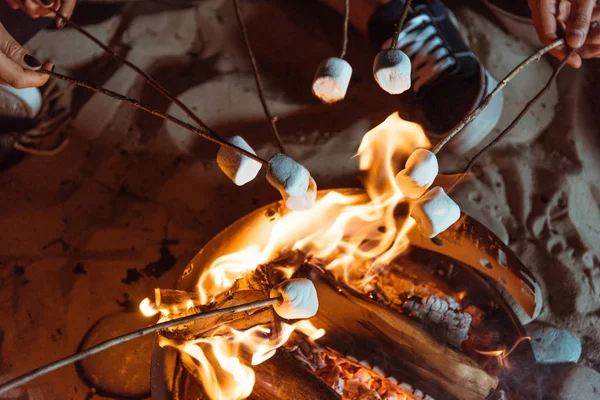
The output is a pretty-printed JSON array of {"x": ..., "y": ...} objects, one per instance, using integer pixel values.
[
  {"x": 45, "y": 8},
  {"x": 573, "y": 17},
  {"x": 17, "y": 66}
]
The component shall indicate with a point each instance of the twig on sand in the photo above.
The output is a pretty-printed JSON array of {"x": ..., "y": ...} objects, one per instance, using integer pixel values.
[
  {"x": 205, "y": 134},
  {"x": 5, "y": 387},
  {"x": 263, "y": 100},
  {"x": 514, "y": 122},
  {"x": 469, "y": 118}
]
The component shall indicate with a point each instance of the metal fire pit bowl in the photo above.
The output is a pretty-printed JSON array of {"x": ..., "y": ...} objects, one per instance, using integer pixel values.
[{"x": 471, "y": 258}]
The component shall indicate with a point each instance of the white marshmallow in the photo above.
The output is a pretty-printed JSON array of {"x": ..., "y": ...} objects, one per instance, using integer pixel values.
[
  {"x": 303, "y": 202},
  {"x": 287, "y": 176},
  {"x": 419, "y": 173},
  {"x": 434, "y": 212},
  {"x": 299, "y": 299},
  {"x": 391, "y": 70},
  {"x": 332, "y": 80},
  {"x": 239, "y": 168}
]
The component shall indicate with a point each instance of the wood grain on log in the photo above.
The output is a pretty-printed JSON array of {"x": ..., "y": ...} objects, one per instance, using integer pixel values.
[{"x": 358, "y": 326}]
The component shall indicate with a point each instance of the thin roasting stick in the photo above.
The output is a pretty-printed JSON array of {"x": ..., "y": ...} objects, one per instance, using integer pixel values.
[
  {"x": 514, "y": 122},
  {"x": 346, "y": 20},
  {"x": 202, "y": 133},
  {"x": 140, "y": 71},
  {"x": 261, "y": 96},
  {"x": 127, "y": 337},
  {"x": 469, "y": 118},
  {"x": 400, "y": 25}
]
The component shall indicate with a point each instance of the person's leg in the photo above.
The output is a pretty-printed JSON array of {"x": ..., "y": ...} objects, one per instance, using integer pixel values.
[{"x": 20, "y": 25}]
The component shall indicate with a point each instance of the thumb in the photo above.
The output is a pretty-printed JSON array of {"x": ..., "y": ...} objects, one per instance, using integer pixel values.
[{"x": 14, "y": 51}]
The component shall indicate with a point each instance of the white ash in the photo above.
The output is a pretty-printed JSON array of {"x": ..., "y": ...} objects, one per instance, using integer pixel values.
[
  {"x": 391, "y": 70},
  {"x": 287, "y": 175},
  {"x": 418, "y": 175},
  {"x": 442, "y": 317},
  {"x": 435, "y": 212},
  {"x": 305, "y": 201},
  {"x": 332, "y": 79},
  {"x": 553, "y": 345},
  {"x": 239, "y": 168},
  {"x": 299, "y": 299}
]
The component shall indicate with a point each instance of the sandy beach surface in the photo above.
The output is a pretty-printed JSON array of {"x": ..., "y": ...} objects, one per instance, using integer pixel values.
[{"x": 89, "y": 233}]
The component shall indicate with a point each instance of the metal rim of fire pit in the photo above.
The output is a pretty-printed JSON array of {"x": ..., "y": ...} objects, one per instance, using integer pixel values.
[{"x": 467, "y": 241}]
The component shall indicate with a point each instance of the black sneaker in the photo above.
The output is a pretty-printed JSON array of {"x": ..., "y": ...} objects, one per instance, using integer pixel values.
[{"x": 448, "y": 81}]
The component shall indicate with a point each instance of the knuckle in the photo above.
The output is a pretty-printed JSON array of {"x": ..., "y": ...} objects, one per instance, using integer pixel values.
[
  {"x": 11, "y": 48},
  {"x": 16, "y": 81},
  {"x": 581, "y": 20}
]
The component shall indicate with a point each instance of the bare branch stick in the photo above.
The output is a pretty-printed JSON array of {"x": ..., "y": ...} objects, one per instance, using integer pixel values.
[
  {"x": 345, "y": 33},
  {"x": 202, "y": 133},
  {"x": 407, "y": 6},
  {"x": 272, "y": 120},
  {"x": 127, "y": 337},
  {"x": 469, "y": 118},
  {"x": 140, "y": 71},
  {"x": 514, "y": 122}
]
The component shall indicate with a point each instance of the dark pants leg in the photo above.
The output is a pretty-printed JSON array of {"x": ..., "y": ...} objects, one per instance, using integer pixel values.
[{"x": 20, "y": 25}]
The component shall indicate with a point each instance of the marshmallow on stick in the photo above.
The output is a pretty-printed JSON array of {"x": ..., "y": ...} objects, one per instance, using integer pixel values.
[
  {"x": 391, "y": 70},
  {"x": 299, "y": 299},
  {"x": 434, "y": 212},
  {"x": 238, "y": 167},
  {"x": 303, "y": 202},
  {"x": 419, "y": 173},
  {"x": 287, "y": 176},
  {"x": 332, "y": 80}
]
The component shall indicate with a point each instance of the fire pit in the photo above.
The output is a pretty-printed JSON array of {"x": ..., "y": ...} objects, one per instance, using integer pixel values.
[
  {"x": 401, "y": 316},
  {"x": 444, "y": 261}
]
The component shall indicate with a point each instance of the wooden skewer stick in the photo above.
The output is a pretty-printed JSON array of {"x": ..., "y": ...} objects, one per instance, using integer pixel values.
[
  {"x": 400, "y": 25},
  {"x": 469, "y": 118},
  {"x": 261, "y": 96},
  {"x": 202, "y": 133},
  {"x": 513, "y": 123},
  {"x": 140, "y": 71},
  {"x": 127, "y": 337}
]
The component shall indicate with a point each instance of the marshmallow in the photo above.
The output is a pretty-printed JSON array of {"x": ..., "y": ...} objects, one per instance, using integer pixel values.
[
  {"x": 391, "y": 70},
  {"x": 287, "y": 176},
  {"x": 239, "y": 168},
  {"x": 419, "y": 173},
  {"x": 332, "y": 80},
  {"x": 299, "y": 299},
  {"x": 303, "y": 202},
  {"x": 434, "y": 212}
]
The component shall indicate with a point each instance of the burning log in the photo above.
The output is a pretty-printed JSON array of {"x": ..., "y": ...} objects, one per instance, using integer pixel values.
[
  {"x": 357, "y": 325},
  {"x": 282, "y": 377}
]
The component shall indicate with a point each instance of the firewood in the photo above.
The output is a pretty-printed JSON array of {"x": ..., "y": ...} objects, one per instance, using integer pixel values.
[
  {"x": 283, "y": 378},
  {"x": 357, "y": 325}
]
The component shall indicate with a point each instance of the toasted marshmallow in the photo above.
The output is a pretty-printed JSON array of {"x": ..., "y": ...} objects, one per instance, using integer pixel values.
[
  {"x": 332, "y": 79},
  {"x": 299, "y": 299}
]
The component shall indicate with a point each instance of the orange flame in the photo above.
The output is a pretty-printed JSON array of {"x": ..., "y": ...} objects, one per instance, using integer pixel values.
[{"x": 352, "y": 234}]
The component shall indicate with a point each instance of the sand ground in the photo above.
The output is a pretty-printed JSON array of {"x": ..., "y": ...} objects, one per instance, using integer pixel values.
[{"x": 91, "y": 232}]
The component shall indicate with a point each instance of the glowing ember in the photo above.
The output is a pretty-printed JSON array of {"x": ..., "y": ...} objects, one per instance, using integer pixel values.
[
  {"x": 352, "y": 235},
  {"x": 147, "y": 308}
]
